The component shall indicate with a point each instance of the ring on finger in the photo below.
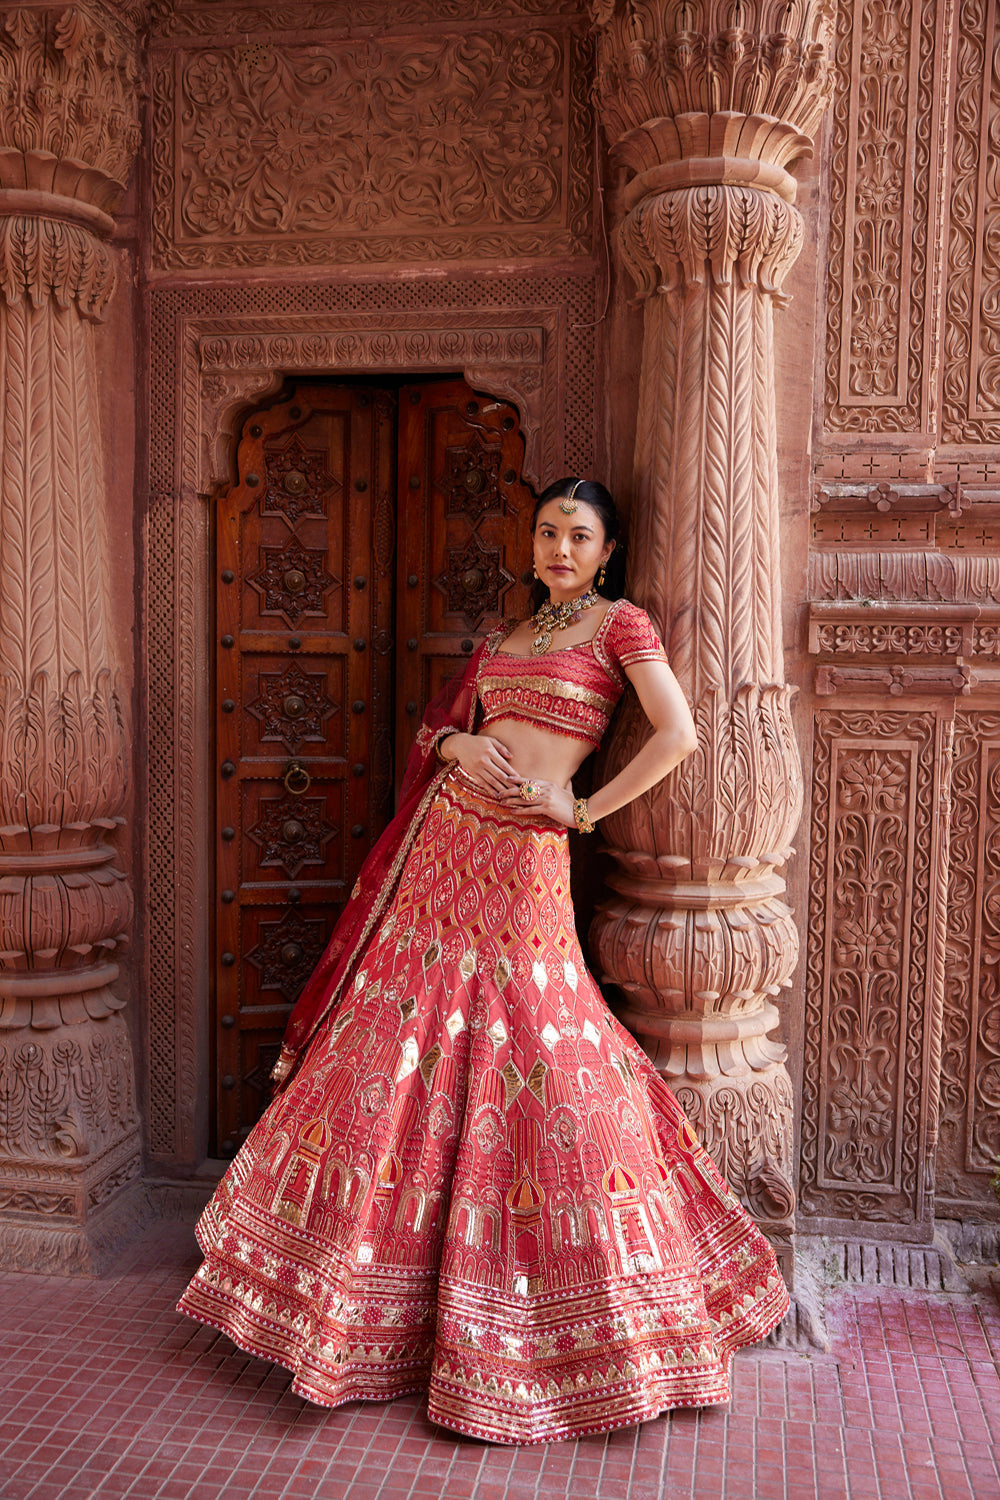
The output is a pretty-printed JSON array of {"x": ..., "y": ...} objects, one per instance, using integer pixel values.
[{"x": 530, "y": 791}]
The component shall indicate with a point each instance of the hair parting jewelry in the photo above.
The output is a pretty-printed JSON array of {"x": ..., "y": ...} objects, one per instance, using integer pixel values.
[
  {"x": 581, "y": 816},
  {"x": 569, "y": 506}
]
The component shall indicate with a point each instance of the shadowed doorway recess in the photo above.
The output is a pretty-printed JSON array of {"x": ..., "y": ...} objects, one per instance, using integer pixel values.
[{"x": 374, "y": 535}]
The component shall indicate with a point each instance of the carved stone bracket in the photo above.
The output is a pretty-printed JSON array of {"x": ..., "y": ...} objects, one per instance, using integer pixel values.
[
  {"x": 886, "y": 497},
  {"x": 238, "y": 368}
]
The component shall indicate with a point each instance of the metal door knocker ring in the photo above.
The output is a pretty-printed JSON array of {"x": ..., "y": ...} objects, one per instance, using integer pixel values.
[{"x": 297, "y": 779}]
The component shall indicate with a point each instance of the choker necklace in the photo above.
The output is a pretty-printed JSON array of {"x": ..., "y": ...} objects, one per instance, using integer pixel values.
[{"x": 550, "y": 617}]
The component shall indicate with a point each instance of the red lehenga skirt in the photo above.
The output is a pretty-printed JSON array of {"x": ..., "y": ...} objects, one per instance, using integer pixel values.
[{"x": 476, "y": 1183}]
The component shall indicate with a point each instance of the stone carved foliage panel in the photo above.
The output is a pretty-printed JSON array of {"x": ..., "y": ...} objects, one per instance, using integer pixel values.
[
  {"x": 879, "y": 288},
  {"x": 971, "y": 407},
  {"x": 970, "y": 1066},
  {"x": 460, "y": 140},
  {"x": 874, "y": 899}
]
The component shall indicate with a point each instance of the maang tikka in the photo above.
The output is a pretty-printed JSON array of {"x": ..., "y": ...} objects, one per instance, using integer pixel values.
[{"x": 569, "y": 506}]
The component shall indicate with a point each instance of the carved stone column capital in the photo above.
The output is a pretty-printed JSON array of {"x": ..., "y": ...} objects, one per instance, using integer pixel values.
[
  {"x": 681, "y": 237},
  {"x": 686, "y": 60},
  {"x": 69, "y": 81},
  {"x": 706, "y": 106},
  {"x": 69, "y": 131}
]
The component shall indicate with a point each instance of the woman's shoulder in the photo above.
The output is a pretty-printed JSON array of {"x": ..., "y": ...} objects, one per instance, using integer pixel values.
[
  {"x": 624, "y": 612},
  {"x": 629, "y": 634}
]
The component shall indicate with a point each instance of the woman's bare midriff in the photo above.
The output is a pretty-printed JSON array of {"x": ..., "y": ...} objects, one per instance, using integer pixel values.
[{"x": 538, "y": 752}]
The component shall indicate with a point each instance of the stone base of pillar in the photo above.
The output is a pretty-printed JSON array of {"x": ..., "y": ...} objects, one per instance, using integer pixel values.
[
  {"x": 61, "y": 1244},
  {"x": 745, "y": 1123},
  {"x": 824, "y": 1264},
  {"x": 71, "y": 1193}
]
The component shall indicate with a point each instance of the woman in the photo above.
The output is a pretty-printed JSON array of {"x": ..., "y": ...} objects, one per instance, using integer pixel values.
[{"x": 473, "y": 1180}]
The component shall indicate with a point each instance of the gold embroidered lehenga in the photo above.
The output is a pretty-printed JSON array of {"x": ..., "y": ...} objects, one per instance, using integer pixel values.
[{"x": 475, "y": 1182}]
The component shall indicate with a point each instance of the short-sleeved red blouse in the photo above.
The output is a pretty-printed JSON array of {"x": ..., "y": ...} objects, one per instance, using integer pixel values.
[{"x": 572, "y": 690}]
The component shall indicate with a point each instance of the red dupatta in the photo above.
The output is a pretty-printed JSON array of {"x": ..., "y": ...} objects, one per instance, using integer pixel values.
[{"x": 452, "y": 709}]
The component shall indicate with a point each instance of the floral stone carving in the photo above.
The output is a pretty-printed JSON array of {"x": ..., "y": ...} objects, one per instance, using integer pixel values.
[
  {"x": 875, "y": 953},
  {"x": 880, "y": 288},
  {"x": 365, "y": 147},
  {"x": 969, "y": 1147}
]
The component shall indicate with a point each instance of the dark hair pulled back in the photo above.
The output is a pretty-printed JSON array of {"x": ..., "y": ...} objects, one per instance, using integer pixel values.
[{"x": 588, "y": 492}]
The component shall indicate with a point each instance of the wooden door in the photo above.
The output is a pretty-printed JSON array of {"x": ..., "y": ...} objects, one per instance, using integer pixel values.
[
  {"x": 464, "y": 548},
  {"x": 330, "y": 638}
]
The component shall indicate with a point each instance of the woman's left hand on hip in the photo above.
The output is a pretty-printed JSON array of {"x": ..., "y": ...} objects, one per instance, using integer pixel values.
[{"x": 543, "y": 797}]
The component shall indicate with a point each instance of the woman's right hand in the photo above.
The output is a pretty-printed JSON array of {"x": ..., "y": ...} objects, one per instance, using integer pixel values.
[{"x": 486, "y": 760}]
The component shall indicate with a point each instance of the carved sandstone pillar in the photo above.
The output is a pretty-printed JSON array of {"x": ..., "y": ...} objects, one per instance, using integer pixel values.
[
  {"x": 69, "y": 1139},
  {"x": 706, "y": 104}
]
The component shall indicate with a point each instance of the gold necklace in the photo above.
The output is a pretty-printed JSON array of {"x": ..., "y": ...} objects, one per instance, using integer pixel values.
[{"x": 549, "y": 617}]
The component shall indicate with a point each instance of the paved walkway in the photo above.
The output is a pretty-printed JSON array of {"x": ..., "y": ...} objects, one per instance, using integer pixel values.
[{"x": 107, "y": 1392}]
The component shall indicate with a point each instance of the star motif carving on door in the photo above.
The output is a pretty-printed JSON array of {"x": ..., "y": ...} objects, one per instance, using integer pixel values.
[
  {"x": 291, "y": 706},
  {"x": 259, "y": 1076},
  {"x": 297, "y": 480},
  {"x": 474, "y": 581},
  {"x": 471, "y": 480},
  {"x": 292, "y": 832},
  {"x": 287, "y": 952},
  {"x": 292, "y": 581}
]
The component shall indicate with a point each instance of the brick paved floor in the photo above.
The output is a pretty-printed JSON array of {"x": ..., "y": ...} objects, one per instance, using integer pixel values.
[{"x": 107, "y": 1392}]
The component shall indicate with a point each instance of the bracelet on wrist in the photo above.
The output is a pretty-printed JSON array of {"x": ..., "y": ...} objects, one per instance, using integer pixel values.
[
  {"x": 444, "y": 759},
  {"x": 581, "y": 816}
]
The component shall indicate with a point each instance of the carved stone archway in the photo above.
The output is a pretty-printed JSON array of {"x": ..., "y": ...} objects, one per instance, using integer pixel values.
[{"x": 215, "y": 352}]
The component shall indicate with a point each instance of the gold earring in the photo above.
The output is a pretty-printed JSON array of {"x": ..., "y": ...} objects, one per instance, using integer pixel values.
[
  {"x": 600, "y": 576},
  {"x": 534, "y": 570}
]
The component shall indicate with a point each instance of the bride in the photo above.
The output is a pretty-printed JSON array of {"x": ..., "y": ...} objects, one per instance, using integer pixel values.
[{"x": 472, "y": 1180}]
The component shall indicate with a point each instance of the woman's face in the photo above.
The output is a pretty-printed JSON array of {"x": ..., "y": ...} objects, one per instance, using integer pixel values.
[{"x": 569, "y": 549}]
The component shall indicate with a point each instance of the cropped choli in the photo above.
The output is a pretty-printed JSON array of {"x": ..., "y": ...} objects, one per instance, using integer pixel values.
[{"x": 572, "y": 690}]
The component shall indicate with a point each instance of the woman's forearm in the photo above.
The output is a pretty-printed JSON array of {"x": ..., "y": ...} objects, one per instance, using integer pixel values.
[{"x": 664, "y": 750}]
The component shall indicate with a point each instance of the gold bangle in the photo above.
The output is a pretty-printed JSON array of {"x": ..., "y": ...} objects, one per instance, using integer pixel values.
[
  {"x": 581, "y": 816},
  {"x": 437, "y": 747}
]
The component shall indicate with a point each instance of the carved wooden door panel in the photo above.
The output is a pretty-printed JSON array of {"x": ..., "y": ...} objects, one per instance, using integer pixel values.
[
  {"x": 305, "y": 549},
  {"x": 463, "y": 547},
  {"x": 331, "y": 637}
]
